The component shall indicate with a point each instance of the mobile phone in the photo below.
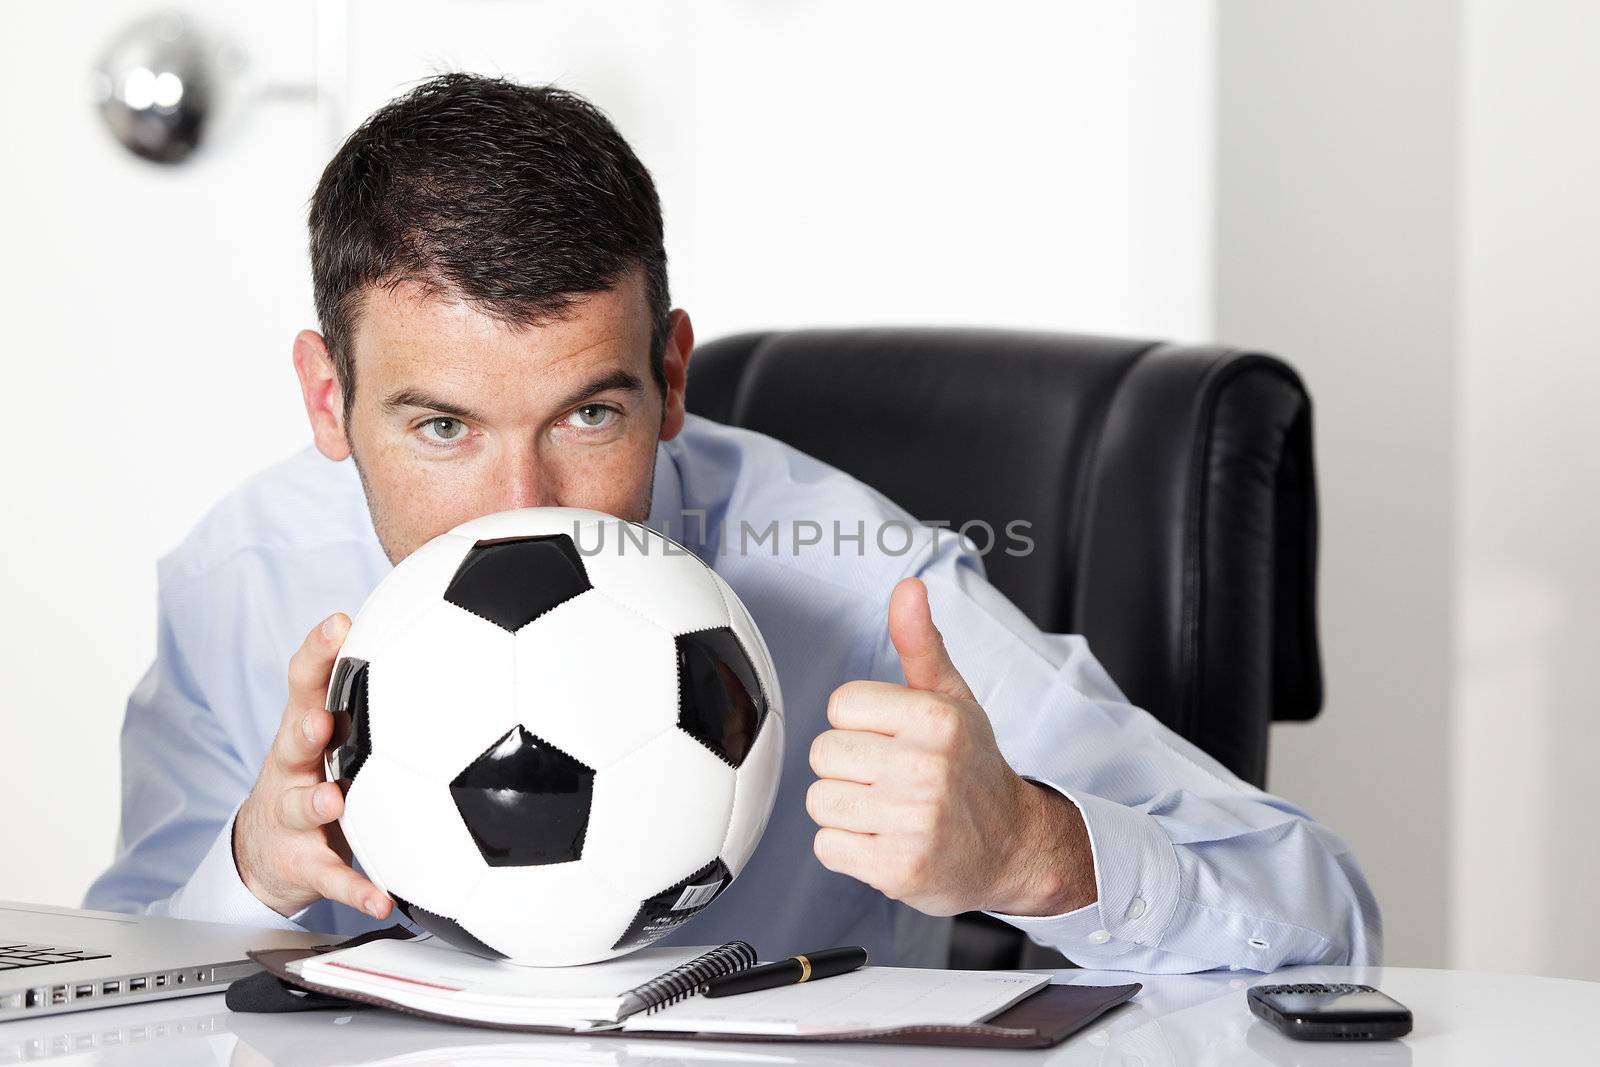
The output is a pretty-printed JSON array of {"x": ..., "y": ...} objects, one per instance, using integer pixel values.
[{"x": 1314, "y": 1011}]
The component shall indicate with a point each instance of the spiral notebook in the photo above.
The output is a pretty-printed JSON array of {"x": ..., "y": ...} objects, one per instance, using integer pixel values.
[
  {"x": 428, "y": 975},
  {"x": 651, "y": 994}
]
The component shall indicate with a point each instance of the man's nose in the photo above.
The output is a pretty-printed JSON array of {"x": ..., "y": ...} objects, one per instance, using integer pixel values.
[{"x": 523, "y": 483}]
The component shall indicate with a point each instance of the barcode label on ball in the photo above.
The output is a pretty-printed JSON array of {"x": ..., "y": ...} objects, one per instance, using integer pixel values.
[
  {"x": 675, "y": 905},
  {"x": 696, "y": 895}
]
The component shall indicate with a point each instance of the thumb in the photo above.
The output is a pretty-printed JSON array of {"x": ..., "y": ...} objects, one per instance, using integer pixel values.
[{"x": 921, "y": 646}]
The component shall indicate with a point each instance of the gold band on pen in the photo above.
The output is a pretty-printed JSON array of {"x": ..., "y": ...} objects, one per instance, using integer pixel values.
[{"x": 805, "y": 968}]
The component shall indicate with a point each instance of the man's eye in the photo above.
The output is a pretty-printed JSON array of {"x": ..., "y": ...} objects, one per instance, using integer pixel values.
[
  {"x": 443, "y": 429},
  {"x": 591, "y": 415}
]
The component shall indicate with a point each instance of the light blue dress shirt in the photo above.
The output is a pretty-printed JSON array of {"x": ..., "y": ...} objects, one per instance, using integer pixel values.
[{"x": 1196, "y": 869}]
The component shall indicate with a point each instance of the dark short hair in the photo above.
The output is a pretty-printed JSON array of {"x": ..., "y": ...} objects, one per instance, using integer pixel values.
[{"x": 516, "y": 199}]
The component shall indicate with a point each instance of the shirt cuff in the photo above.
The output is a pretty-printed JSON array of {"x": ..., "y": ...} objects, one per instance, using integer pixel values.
[
  {"x": 1136, "y": 878},
  {"x": 215, "y": 892}
]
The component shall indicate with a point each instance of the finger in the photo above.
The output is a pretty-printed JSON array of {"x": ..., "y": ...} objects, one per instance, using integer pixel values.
[
  {"x": 298, "y": 748},
  {"x": 304, "y": 731},
  {"x": 312, "y": 664},
  {"x": 844, "y": 806},
  {"x": 844, "y": 851},
  {"x": 307, "y": 807},
  {"x": 869, "y": 705},
  {"x": 894, "y": 711},
  {"x": 852, "y": 755},
  {"x": 335, "y": 881},
  {"x": 923, "y": 657}
]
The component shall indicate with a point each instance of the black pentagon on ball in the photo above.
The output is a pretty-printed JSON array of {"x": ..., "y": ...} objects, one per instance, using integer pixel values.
[
  {"x": 720, "y": 701},
  {"x": 351, "y": 743},
  {"x": 675, "y": 905},
  {"x": 447, "y": 930},
  {"x": 525, "y": 802},
  {"x": 511, "y": 581}
]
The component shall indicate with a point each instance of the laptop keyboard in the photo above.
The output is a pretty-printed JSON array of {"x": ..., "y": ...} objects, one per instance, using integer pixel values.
[{"x": 15, "y": 955}]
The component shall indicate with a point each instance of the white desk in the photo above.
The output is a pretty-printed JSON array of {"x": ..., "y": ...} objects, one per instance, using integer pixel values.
[{"x": 1462, "y": 1018}]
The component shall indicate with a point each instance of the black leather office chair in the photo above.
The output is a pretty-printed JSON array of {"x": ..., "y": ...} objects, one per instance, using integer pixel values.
[{"x": 1170, "y": 489}]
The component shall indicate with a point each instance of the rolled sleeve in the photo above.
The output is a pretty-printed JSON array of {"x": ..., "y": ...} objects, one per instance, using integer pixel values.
[{"x": 1136, "y": 878}]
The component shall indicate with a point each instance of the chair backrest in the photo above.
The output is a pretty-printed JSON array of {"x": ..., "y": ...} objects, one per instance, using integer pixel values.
[{"x": 1168, "y": 490}]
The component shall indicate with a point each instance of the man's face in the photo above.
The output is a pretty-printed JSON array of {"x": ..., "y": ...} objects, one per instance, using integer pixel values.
[{"x": 458, "y": 415}]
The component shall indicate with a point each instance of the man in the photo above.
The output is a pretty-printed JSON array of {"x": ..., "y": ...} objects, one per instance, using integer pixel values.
[{"x": 496, "y": 334}]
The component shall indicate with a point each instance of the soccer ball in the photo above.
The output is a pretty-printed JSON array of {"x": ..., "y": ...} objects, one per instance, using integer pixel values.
[{"x": 562, "y": 734}]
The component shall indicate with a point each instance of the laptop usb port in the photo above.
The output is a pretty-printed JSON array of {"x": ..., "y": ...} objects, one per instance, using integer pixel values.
[
  {"x": 83, "y": 991},
  {"x": 135, "y": 984},
  {"x": 111, "y": 987}
]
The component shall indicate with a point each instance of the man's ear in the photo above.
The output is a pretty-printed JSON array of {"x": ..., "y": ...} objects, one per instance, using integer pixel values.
[
  {"x": 675, "y": 366},
  {"x": 319, "y": 388}
]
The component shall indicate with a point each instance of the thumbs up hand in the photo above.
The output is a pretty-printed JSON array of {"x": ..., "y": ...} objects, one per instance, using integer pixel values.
[{"x": 914, "y": 798}]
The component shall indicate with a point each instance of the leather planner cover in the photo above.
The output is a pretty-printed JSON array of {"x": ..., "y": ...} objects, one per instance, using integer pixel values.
[{"x": 1046, "y": 1018}]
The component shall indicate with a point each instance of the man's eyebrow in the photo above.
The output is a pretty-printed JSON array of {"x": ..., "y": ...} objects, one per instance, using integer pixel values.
[
  {"x": 416, "y": 398},
  {"x": 617, "y": 379}
]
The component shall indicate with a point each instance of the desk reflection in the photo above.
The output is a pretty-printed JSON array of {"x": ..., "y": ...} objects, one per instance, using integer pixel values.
[
  {"x": 177, "y": 1032},
  {"x": 1203, "y": 1020}
]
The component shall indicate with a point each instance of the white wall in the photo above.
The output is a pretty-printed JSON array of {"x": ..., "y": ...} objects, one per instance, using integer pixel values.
[
  {"x": 893, "y": 162},
  {"x": 1336, "y": 247},
  {"x": 1527, "y": 851},
  {"x": 147, "y": 317},
  {"x": 819, "y": 162},
  {"x": 1407, "y": 210}
]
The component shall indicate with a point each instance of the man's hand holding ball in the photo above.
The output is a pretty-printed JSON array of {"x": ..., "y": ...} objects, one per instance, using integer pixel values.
[
  {"x": 286, "y": 840},
  {"x": 914, "y": 798}
]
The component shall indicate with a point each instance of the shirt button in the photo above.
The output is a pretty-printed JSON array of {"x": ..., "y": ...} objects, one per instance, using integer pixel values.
[
  {"x": 1135, "y": 907},
  {"x": 1099, "y": 937}
]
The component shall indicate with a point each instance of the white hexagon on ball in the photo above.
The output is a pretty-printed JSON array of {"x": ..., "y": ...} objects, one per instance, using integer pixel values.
[{"x": 574, "y": 733}]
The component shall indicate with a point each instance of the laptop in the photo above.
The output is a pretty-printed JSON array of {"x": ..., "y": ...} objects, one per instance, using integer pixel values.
[{"x": 67, "y": 959}]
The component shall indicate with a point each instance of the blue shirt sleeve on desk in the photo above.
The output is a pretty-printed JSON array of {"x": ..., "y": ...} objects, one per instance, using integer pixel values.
[{"x": 1195, "y": 868}]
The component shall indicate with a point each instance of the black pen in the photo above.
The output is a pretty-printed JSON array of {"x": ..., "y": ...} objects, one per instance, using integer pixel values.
[{"x": 792, "y": 971}]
